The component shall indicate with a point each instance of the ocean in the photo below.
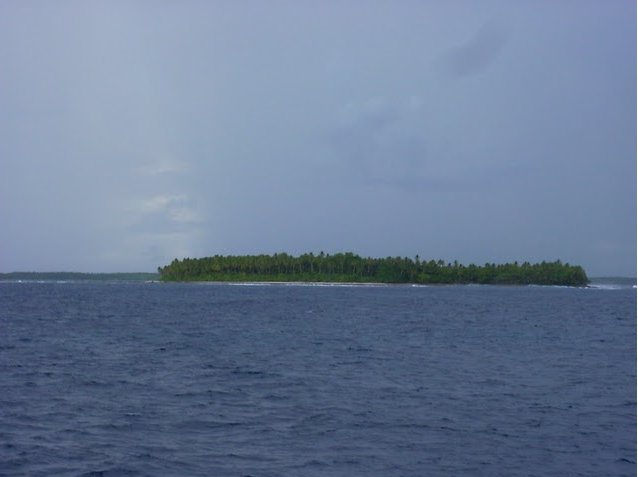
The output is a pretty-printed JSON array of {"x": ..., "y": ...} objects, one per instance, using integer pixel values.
[{"x": 201, "y": 379}]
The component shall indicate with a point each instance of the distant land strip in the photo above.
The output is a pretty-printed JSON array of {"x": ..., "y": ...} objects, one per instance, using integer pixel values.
[
  {"x": 349, "y": 267},
  {"x": 61, "y": 276}
]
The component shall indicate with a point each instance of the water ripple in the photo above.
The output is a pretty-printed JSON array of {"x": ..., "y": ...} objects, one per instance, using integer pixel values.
[{"x": 156, "y": 379}]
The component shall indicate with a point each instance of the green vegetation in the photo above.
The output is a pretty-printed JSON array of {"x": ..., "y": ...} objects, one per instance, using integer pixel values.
[
  {"x": 79, "y": 276},
  {"x": 348, "y": 267}
]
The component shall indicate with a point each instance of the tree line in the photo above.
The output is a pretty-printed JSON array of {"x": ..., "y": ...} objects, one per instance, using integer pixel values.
[{"x": 349, "y": 267}]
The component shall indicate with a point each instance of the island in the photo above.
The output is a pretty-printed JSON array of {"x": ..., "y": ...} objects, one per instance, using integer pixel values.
[
  {"x": 351, "y": 268},
  {"x": 79, "y": 276}
]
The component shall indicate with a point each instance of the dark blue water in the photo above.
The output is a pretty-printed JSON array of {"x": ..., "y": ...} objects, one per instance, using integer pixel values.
[{"x": 109, "y": 379}]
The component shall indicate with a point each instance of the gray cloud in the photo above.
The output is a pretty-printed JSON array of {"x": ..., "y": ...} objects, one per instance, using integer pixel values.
[
  {"x": 379, "y": 141},
  {"x": 478, "y": 52},
  {"x": 133, "y": 133}
]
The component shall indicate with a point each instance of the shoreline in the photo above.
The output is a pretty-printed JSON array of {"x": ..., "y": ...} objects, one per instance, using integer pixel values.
[
  {"x": 591, "y": 286},
  {"x": 368, "y": 284}
]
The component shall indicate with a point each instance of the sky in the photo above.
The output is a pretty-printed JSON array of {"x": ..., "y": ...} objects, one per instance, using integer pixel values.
[{"x": 133, "y": 133}]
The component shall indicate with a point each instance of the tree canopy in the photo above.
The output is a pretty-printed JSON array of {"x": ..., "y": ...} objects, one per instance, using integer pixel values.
[{"x": 349, "y": 267}]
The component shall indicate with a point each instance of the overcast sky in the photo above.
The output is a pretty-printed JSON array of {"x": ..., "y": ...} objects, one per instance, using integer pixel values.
[{"x": 134, "y": 132}]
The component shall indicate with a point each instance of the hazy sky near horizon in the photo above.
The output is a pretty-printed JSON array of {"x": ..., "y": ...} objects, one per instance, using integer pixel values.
[{"x": 132, "y": 133}]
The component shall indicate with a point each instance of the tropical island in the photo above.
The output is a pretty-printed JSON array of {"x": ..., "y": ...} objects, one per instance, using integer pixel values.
[{"x": 352, "y": 268}]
